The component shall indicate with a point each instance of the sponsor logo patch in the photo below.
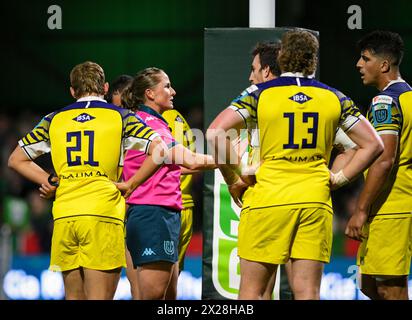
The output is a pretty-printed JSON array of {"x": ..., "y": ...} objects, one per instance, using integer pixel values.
[
  {"x": 84, "y": 117},
  {"x": 382, "y": 113},
  {"x": 300, "y": 98},
  {"x": 382, "y": 99},
  {"x": 251, "y": 88}
]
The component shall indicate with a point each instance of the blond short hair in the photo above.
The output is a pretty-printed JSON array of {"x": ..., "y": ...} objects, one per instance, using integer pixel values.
[{"x": 87, "y": 78}]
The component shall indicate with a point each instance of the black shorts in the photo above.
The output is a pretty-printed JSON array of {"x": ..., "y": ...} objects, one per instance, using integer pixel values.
[{"x": 152, "y": 234}]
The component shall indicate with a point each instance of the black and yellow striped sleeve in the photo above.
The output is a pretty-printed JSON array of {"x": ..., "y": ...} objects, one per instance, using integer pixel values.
[
  {"x": 137, "y": 134},
  {"x": 350, "y": 114},
  {"x": 37, "y": 141},
  {"x": 246, "y": 103}
]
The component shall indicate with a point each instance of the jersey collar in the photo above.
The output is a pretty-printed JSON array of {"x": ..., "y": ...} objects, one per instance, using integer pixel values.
[
  {"x": 144, "y": 108},
  {"x": 296, "y": 74},
  {"x": 91, "y": 98},
  {"x": 392, "y": 82}
]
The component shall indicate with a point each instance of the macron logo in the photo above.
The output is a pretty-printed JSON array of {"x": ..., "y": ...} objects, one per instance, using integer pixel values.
[{"x": 148, "y": 252}]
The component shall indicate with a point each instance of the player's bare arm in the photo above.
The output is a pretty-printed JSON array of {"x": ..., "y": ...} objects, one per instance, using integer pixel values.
[
  {"x": 370, "y": 146},
  {"x": 188, "y": 159},
  {"x": 155, "y": 158},
  {"x": 378, "y": 174}
]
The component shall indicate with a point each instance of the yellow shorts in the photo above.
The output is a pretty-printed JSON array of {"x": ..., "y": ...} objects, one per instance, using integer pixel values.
[
  {"x": 387, "y": 248},
  {"x": 186, "y": 230},
  {"x": 87, "y": 242},
  {"x": 273, "y": 235}
]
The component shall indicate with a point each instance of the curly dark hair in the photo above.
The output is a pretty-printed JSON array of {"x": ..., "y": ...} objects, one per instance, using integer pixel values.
[
  {"x": 268, "y": 53},
  {"x": 299, "y": 52},
  {"x": 384, "y": 43}
]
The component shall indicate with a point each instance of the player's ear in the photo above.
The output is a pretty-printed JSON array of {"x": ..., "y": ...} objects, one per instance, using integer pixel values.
[
  {"x": 385, "y": 66},
  {"x": 150, "y": 94},
  {"x": 72, "y": 92},
  {"x": 266, "y": 72},
  {"x": 106, "y": 88}
]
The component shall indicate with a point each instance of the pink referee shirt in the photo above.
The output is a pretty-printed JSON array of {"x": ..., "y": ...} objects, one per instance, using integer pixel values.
[{"x": 163, "y": 188}]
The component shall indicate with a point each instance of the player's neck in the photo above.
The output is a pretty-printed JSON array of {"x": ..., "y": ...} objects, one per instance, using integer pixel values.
[
  {"x": 154, "y": 106},
  {"x": 386, "y": 78},
  {"x": 91, "y": 95}
]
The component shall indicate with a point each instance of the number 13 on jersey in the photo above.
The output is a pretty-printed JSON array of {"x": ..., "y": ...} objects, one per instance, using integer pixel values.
[{"x": 297, "y": 121}]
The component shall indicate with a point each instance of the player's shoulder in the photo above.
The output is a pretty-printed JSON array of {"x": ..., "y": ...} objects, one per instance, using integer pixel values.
[
  {"x": 339, "y": 94},
  {"x": 392, "y": 93},
  {"x": 249, "y": 90}
]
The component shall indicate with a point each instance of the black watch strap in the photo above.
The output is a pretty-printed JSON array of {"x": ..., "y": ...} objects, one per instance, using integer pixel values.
[{"x": 53, "y": 183}]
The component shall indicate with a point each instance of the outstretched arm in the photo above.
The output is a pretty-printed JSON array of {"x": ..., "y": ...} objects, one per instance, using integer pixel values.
[
  {"x": 219, "y": 136},
  {"x": 193, "y": 161}
]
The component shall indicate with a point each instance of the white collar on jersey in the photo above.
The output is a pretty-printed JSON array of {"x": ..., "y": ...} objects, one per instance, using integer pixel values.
[
  {"x": 91, "y": 98},
  {"x": 296, "y": 74},
  {"x": 392, "y": 82}
]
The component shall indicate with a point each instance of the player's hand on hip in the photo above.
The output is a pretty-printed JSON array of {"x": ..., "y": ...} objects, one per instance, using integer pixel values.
[
  {"x": 354, "y": 227},
  {"x": 250, "y": 180},
  {"x": 236, "y": 190},
  {"x": 124, "y": 188},
  {"x": 48, "y": 190}
]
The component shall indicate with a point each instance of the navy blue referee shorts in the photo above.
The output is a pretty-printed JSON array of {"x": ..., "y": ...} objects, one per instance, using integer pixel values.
[{"x": 152, "y": 234}]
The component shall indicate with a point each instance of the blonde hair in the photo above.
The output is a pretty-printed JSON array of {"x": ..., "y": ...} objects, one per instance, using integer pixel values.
[{"x": 87, "y": 78}]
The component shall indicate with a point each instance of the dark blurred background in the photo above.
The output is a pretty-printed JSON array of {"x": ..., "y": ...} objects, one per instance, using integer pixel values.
[{"x": 125, "y": 36}]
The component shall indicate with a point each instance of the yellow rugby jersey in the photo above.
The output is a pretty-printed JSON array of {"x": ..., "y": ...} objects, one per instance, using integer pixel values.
[
  {"x": 87, "y": 141},
  {"x": 391, "y": 113},
  {"x": 297, "y": 120},
  {"x": 183, "y": 134}
]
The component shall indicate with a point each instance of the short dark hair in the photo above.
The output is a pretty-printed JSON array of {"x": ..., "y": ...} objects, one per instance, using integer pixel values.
[
  {"x": 268, "y": 54},
  {"x": 384, "y": 43},
  {"x": 299, "y": 52},
  {"x": 118, "y": 85}
]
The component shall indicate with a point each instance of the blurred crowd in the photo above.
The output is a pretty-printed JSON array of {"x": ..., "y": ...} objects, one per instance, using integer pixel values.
[{"x": 28, "y": 216}]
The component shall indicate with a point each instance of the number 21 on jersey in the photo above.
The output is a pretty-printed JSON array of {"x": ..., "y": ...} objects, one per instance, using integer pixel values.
[{"x": 79, "y": 139}]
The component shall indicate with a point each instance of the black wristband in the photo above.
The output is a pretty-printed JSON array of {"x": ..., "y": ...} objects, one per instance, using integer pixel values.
[{"x": 51, "y": 182}]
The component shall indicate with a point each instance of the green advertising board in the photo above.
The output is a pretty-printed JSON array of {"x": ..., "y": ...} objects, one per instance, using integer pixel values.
[{"x": 227, "y": 60}]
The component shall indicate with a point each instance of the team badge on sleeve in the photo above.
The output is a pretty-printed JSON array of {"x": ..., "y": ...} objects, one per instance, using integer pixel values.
[{"x": 381, "y": 110}]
